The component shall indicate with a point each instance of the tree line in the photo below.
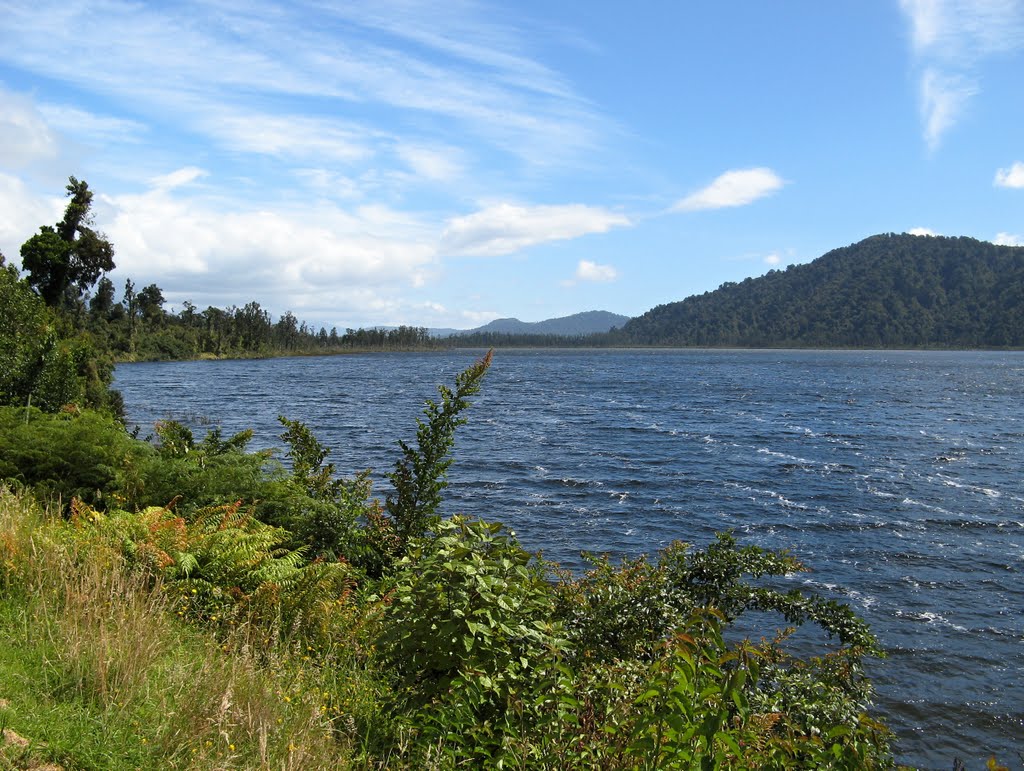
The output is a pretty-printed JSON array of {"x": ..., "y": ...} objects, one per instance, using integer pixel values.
[{"x": 64, "y": 325}]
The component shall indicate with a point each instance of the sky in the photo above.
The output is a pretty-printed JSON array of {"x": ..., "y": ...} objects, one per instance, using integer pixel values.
[{"x": 443, "y": 163}]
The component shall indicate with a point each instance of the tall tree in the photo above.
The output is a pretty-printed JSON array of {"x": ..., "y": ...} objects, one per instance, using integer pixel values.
[{"x": 65, "y": 260}]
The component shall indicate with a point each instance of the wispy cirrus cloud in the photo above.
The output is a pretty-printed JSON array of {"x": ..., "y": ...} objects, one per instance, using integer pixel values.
[
  {"x": 1012, "y": 176},
  {"x": 199, "y": 62},
  {"x": 178, "y": 178},
  {"x": 738, "y": 187},
  {"x": 505, "y": 228},
  {"x": 943, "y": 99},
  {"x": 949, "y": 39}
]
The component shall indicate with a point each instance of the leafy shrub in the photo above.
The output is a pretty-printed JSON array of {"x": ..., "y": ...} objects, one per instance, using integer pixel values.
[
  {"x": 468, "y": 604},
  {"x": 65, "y": 456}
]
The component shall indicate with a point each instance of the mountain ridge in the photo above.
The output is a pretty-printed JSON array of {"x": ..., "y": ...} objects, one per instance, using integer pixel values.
[{"x": 584, "y": 323}]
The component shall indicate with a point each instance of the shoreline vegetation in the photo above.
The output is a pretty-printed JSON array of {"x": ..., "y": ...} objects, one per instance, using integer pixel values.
[
  {"x": 187, "y": 603},
  {"x": 206, "y": 606}
]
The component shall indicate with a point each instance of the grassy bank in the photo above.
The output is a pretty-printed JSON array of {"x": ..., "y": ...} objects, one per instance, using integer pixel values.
[{"x": 100, "y": 672}]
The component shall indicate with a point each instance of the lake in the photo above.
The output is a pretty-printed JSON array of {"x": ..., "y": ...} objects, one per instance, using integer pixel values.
[{"x": 895, "y": 476}]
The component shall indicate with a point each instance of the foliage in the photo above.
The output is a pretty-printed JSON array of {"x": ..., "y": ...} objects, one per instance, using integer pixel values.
[
  {"x": 467, "y": 604},
  {"x": 65, "y": 456},
  {"x": 42, "y": 361},
  {"x": 468, "y": 631},
  {"x": 65, "y": 260},
  {"x": 223, "y": 565},
  {"x": 419, "y": 475},
  {"x": 100, "y": 672}
]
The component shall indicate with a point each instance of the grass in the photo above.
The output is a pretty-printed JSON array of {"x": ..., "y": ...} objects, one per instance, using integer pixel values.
[{"x": 96, "y": 673}]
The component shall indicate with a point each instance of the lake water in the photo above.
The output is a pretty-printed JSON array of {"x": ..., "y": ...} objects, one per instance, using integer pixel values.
[{"x": 896, "y": 476}]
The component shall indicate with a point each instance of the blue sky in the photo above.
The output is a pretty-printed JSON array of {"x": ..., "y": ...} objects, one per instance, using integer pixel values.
[{"x": 444, "y": 163}]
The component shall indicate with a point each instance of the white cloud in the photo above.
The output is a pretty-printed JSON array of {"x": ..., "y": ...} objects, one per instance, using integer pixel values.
[
  {"x": 733, "y": 188},
  {"x": 506, "y": 228},
  {"x": 922, "y": 232},
  {"x": 289, "y": 258},
  {"x": 441, "y": 165},
  {"x": 329, "y": 183},
  {"x": 88, "y": 126},
  {"x": 479, "y": 318},
  {"x": 1012, "y": 177},
  {"x": 289, "y": 136},
  {"x": 772, "y": 259},
  {"x": 21, "y": 214},
  {"x": 943, "y": 99},
  {"x": 25, "y": 135},
  {"x": 1008, "y": 239},
  {"x": 592, "y": 271},
  {"x": 193, "y": 67},
  {"x": 178, "y": 178},
  {"x": 961, "y": 30},
  {"x": 926, "y": 19},
  {"x": 949, "y": 39}
]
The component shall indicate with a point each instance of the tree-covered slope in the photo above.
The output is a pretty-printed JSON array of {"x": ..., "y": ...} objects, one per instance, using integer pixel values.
[{"x": 885, "y": 291}]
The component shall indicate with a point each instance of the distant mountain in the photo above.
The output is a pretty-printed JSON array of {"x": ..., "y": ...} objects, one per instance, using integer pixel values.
[
  {"x": 887, "y": 291},
  {"x": 586, "y": 323}
]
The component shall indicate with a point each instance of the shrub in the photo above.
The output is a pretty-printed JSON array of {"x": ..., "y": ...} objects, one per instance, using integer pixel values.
[{"x": 65, "y": 456}]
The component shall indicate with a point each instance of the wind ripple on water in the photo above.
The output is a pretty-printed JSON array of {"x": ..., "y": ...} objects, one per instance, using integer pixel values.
[{"x": 894, "y": 476}]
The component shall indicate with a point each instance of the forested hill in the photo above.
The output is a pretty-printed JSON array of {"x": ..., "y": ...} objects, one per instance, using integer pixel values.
[{"x": 887, "y": 291}]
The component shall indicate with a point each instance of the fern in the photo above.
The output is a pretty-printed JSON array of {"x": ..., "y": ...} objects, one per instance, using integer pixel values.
[{"x": 420, "y": 474}]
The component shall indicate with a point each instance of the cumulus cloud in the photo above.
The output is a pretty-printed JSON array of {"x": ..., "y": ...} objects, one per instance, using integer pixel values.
[
  {"x": 293, "y": 257},
  {"x": 592, "y": 271},
  {"x": 922, "y": 232},
  {"x": 1011, "y": 177},
  {"x": 21, "y": 214},
  {"x": 772, "y": 259},
  {"x": 1008, "y": 239},
  {"x": 733, "y": 188},
  {"x": 505, "y": 228}
]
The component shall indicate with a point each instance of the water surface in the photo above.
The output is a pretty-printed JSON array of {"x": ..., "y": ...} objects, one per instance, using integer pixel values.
[{"x": 896, "y": 476}]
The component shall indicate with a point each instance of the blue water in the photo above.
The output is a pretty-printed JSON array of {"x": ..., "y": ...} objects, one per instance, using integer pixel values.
[{"x": 896, "y": 476}]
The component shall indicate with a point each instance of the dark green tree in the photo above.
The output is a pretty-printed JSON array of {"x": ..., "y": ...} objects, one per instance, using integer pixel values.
[
  {"x": 65, "y": 260},
  {"x": 101, "y": 304},
  {"x": 151, "y": 303}
]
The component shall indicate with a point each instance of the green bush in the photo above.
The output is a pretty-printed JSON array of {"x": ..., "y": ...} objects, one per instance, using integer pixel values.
[{"x": 64, "y": 456}]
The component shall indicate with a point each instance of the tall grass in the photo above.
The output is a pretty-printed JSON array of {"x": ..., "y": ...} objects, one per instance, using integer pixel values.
[{"x": 99, "y": 673}]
